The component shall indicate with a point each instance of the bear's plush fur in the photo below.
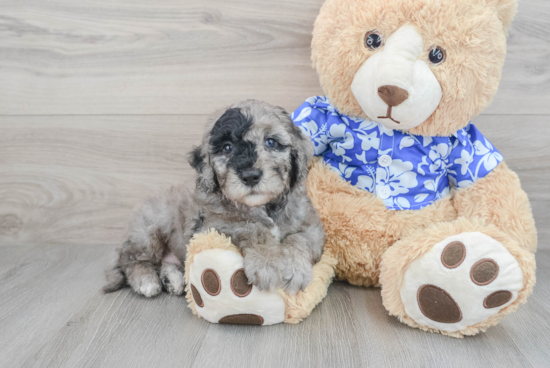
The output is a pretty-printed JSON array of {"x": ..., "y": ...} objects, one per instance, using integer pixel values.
[
  {"x": 375, "y": 246},
  {"x": 473, "y": 32},
  {"x": 296, "y": 307}
]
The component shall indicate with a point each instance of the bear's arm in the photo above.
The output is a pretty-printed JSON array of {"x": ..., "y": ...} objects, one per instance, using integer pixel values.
[
  {"x": 499, "y": 199},
  {"x": 486, "y": 188}
]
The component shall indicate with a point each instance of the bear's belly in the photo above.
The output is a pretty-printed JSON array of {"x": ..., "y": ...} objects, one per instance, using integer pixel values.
[{"x": 359, "y": 226}]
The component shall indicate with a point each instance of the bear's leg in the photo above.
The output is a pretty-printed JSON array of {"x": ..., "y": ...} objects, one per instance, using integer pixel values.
[
  {"x": 457, "y": 278},
  {"x": 218, "y": 289}
]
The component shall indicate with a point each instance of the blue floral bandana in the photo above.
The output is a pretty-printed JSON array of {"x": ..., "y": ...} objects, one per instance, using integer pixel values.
[{"x": 408, "y": 172}]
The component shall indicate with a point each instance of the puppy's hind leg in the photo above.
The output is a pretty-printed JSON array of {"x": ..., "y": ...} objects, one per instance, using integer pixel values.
[
  {"x": 140, "y": 256},
  {"x": 145, "y": 280},
  {"x": 140, "y": 275},
  {"x": 140, "y": 264}
]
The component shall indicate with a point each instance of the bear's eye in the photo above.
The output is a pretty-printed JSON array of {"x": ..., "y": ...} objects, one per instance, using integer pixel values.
[
  {"x": 271, "y": 143},
  {"x": 437, "y": 55},
  {"x": 227, "y": 148},
  {"x": 373, "y": 40}
]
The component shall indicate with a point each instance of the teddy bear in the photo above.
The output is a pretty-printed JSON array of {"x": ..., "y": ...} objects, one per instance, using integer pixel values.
[{"x": 413, "y": 197}]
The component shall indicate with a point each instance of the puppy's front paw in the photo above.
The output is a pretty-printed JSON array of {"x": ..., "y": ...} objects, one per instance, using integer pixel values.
[
  {"x": 172, "y": 278},
  {"x": 297, "y": 274},
  {"x": 263, "y": 271}
]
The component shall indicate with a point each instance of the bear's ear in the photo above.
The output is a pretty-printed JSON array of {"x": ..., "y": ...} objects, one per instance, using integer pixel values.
[{"x": 506, "y": 10}]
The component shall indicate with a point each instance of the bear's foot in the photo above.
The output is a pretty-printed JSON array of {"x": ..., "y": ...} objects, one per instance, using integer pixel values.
[
  {"x": 218, "y": 290},
  {"x": 462, "y": 281},
  {"x": 222, "y": 294}
]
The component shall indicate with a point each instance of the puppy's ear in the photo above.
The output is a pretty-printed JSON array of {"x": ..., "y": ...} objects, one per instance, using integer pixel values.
[
  {"x": 199, "y": 160},
  {"x": 299, "y": 159},
  {"x": 301, "y": 153},
  {"x": 196, "y": 159}
]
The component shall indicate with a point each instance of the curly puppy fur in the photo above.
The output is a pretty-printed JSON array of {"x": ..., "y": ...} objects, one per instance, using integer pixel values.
[{"x": 251, "y": 168}]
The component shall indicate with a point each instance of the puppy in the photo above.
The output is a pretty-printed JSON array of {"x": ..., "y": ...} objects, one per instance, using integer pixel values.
[{"x": 251, "y": 167}]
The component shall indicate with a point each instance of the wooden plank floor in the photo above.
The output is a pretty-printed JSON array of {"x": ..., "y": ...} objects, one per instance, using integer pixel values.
[
  {"x": 53, "y": 314},
  {"x": 100, "y": 101}
]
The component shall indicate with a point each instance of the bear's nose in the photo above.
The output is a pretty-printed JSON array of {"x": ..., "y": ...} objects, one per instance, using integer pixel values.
[
  {"x": 251, "y": 177},
  {"x": 392, "y": 95}
]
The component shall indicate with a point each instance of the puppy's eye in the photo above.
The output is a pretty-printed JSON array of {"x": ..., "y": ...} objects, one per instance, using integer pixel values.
[
  {"x": 437, "y": 55},
  {"x": 373, "y": 40},
  {"x": 227, "y": 148},
  {"x": 271, "y": 143}
]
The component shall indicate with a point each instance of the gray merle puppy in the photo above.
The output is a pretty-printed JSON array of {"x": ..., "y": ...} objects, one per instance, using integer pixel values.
[{"x": 251, "y": 167}]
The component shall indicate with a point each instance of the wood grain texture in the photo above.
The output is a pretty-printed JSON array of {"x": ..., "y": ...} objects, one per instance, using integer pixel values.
[
  {"x": 187, "y": 57},
  {"x": 40, "y": 287},
  {"x": 153, "y": 57},
  {"x": 53, "y": 315},
  {"x": 76, "y": 179}
]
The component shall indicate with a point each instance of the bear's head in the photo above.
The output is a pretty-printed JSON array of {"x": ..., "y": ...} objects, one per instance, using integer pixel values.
[{"x": 422, "y": 66}]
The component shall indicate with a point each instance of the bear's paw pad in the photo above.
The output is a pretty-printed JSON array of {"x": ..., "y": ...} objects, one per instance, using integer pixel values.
[
  {"x": 222, "y": 294},
  {"x": 461, "y": 281}
]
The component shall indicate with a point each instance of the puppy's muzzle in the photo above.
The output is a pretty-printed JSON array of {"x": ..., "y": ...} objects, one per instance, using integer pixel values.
[{"x": 250, "y": 177}]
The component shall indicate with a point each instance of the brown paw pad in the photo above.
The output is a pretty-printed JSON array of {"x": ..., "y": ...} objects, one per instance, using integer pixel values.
[
  {"x": 497, "y": 299},
  {"x": 484, "y": 271},
  {"x": 453, "y": 255},
  {"x": 242, "y": 319},
  {"x": 239, "y": 284},
  {"x": 211, "y": 282},
  {"x": 197, "y": 296},
  {"x": 436, "y": 304}
]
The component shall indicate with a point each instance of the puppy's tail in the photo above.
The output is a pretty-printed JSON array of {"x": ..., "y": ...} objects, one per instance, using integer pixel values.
[{"x": 115, "y": 280}]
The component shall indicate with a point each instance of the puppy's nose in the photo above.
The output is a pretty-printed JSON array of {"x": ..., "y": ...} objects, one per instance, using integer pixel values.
[
  {"x": 392, "y": 95},
  {"x": 251, "y": 177}
]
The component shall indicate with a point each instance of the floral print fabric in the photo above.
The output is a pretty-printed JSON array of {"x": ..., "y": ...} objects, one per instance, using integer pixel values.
[{"x": 407, "y": 171}]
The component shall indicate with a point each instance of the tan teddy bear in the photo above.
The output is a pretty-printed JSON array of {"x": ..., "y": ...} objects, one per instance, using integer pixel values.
[{"x": 412, "y": 196}]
